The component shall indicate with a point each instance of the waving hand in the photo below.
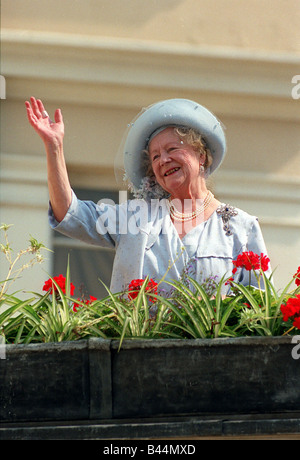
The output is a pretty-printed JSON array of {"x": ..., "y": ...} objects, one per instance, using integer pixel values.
[{"x": 51, "y": 132}]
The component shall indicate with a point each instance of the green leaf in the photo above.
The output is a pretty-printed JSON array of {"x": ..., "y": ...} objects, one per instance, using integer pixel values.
[{"x": 19, "y": 304}]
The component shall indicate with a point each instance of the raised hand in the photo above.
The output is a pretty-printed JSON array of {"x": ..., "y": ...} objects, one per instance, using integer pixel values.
[{"x": 51, "y": 132}]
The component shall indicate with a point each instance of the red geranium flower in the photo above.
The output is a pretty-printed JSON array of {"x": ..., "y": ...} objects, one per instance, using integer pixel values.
[
  {"x": 230, "y": 280},
  {"x": 61, "y": 282},
  {"x": 91, "y": 299},
  {"x": 264, "y": 262},
  {"x": 251, "y": 261},
  {"x": 135, "y": 286},
  {"x": 296, "y": 322},
  {"x": 87, "y": 302},
  {"x": 292, "y": 308},
  {"x": 297, "y": 276}
]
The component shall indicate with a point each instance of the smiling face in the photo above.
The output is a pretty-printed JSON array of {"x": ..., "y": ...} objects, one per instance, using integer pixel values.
[{"x": 176, "y": 164}]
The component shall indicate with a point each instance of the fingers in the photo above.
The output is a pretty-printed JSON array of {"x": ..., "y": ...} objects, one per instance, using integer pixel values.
[
  {"x": 30, "y": 115},
  {"x": 36, "y": 107},
  {"x": 58, "y": 116},
  {"x": 40, "y": 106},
  {"x": 42, "y": 110},
  {"x": 36, "y": 111}
]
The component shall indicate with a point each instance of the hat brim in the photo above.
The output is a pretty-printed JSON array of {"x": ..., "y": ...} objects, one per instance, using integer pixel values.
[{"x": 181, "y": 112}]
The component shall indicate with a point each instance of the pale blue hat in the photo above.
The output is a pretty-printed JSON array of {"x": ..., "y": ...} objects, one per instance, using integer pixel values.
[{"x": 171, "y": 112}]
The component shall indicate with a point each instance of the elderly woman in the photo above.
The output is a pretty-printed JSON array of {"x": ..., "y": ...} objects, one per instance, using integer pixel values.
[{"x": 175, "y": 224}]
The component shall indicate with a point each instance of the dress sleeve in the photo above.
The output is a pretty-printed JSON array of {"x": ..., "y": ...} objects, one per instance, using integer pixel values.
[
  {"x": 256, "y": 241},
  {"x": 89, "y": 222}
]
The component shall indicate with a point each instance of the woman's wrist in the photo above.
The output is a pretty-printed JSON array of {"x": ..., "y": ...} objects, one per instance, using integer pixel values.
[{"x": 54, "y": 148}]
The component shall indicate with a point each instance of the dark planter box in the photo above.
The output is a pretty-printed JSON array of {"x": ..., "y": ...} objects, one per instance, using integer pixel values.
[
  {"x": 237, "y": 376},
  {"x": 66, "y": 381},
  {"x": 90, "y": 379}
]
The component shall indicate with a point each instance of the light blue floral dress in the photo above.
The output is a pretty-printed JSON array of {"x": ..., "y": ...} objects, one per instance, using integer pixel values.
[{"x": 146, "y": 242}]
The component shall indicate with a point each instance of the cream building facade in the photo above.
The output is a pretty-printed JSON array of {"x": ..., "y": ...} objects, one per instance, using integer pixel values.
[{"x": 101, "y": 61}]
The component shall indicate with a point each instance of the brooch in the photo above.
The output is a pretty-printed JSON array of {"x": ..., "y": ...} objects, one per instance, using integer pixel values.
[{"x": 226, "y": 212}]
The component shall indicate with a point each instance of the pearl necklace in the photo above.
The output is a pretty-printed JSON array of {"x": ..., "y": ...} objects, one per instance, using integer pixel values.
[{"x": 183, "y": 217}]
